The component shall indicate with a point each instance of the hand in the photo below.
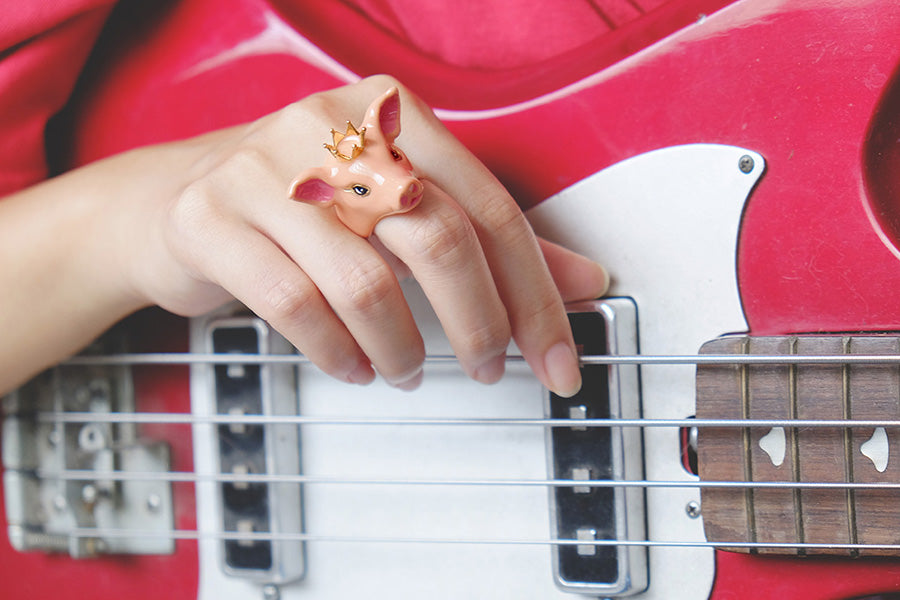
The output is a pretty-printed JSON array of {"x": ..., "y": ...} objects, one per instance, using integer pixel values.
[
  {"x": 189, "y": 225},
  {"x": 232, "y": 230}
]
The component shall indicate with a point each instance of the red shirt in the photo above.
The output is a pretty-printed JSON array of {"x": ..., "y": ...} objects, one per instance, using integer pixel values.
[
  {"x": 43, "y": 46},
  {"x": 167, "y": 70}
]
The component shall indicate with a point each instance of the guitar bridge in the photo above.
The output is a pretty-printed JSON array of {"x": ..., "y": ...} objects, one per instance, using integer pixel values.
[
  {"x": 61, "y": 492},
  {"x": 589, "y": 513}
]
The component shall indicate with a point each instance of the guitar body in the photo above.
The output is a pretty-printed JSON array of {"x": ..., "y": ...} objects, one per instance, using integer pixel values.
[{"x": 812, "y": 88}]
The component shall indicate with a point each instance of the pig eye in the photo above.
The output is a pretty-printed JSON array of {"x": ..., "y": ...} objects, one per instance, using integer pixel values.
[
  {"x": 360, "y": 190},
  {"x": 396, "y": 153}
]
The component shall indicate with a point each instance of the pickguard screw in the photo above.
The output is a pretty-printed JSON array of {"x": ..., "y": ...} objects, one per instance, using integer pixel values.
[
  {"x": 154, "y": 503},
  {"x": 89, "y": 494},
  {"x": 692, "y": 509},
  {"x": 271, "y": 592},
  {"x": 54, "y": 437},
  {"x": 746, "y": 164}
]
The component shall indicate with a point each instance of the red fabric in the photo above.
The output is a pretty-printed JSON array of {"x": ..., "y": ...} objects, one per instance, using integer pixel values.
[
  {"x": 43, "y": 46},
  {"x": 500, "y": 35},
  {"x": 481, "y": 55},
  {"x": 165, "y": 70},
  {"x": 488, "y": 35}
]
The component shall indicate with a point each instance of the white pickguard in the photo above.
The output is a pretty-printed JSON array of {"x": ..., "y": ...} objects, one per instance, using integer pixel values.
[{"x": 666, "y": 225}]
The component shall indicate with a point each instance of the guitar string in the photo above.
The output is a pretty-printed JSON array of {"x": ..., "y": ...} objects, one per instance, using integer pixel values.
[
  {"x": 173, "y": 418},
  {"x": 279, "y": 478},
  {"x": 57, "y": 417},
  {"x": 262, "y": 536},
  {"x": 162, "y": 418},
  {"x": 186, "y": 358}
]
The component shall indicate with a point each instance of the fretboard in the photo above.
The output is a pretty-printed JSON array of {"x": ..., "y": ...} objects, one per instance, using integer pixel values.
[{"x": 835, "y": 455}]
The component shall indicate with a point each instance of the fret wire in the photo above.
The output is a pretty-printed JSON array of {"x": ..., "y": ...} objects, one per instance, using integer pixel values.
[
  {"x": 189, "y": 477},
  {"x": 185, "y": 358},
  {"x": 793, "y": 436},
  {"x": 194, "y": 534},
  {"x": 56, "y": 417},
  {"x": 847, "y": 447}
]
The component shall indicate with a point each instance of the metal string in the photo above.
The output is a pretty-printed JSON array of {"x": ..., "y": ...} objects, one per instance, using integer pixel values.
[
  {"x": 187, "y": 358},
  {"x": 195, "y": 534},
  {"x": 195, "y": 477},
  {"x": 58, "y": 417}
]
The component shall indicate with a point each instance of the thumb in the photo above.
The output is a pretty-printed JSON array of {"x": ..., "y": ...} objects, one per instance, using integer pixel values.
[{"x": 576, "y": 277}]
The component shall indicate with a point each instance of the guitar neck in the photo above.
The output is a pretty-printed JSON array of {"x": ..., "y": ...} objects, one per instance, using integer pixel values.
[{"x": 832, "y": 514}]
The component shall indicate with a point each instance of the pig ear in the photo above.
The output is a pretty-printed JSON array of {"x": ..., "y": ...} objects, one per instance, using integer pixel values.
[
  {"x": 311, "y": 187},
  {"x": 384, "y": 114}
]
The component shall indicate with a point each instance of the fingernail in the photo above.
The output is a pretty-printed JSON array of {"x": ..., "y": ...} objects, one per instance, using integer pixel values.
[
  {"x": 604, "y": 281},
  {"x": 490, "y": 371},
  {"x": 561, "y": 367},
  {"x": 595, "y": 281},
  {"x": 411, "y": 383},
  {"x": 363, "y": 374}
]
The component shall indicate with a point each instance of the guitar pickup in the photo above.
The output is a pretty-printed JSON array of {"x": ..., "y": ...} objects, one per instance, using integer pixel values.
[
  {"x": 257, "y": 511},
  {"x": 586, "y": 512},
  {"x": 54, "y": 503}
]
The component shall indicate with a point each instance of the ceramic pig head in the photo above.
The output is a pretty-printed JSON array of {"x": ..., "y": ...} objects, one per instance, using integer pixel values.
[{"x": 367, "y": 177}]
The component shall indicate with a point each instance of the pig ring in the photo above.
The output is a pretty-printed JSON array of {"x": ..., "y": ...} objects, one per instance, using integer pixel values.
[{"x": 367, "y": 177}]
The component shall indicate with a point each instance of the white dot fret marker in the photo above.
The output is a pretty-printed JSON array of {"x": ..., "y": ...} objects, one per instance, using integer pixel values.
[
  {"x": 773, "y": 444},
  {"x": 877, "y": 449}
]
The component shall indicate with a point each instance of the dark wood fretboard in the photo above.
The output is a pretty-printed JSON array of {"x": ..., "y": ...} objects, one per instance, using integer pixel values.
[{"x": 801, "y": 454}]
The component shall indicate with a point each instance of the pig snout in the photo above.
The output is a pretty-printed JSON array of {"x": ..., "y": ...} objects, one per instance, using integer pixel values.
[{"x": 411, "y": 194}]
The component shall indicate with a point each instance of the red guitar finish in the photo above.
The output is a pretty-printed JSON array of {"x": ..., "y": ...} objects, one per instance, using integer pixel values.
[{"x": 812, "y": 86}]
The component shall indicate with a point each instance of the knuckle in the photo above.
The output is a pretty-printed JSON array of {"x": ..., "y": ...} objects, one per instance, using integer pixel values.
[
  {"x": 322, "y": 109},
  {"x": 442, "y": 241},
  {"x": 489, "y": 339},
  {"x": 210, "y": 198},
  {"x": 311, "y": 109},
  {"x": 287, "y": 301},
  {"x": 246, "y": 160},
  {"x": 193, "y": 210},
  {"x": 541, "y": 308},
  {"x": 367, "y": 288},
  {"x": 503, "y": 216}
]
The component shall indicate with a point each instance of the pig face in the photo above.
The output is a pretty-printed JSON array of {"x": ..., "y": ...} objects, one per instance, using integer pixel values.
[{"x": 367, "y": 177}]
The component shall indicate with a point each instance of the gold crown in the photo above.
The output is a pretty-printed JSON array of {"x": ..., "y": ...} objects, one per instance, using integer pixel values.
[{"x": 337, "y": 137}]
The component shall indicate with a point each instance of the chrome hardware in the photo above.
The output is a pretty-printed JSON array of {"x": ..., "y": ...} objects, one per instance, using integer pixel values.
[
  {"x": 41, "y": 509},
  {"x": 585, "y": 512},
  {"x": 247, "y": 449}
]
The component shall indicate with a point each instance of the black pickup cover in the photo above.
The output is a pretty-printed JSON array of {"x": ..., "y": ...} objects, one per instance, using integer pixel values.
[
  {"x": 239, "y": 387},
  {"x": 580, "y": 448}
]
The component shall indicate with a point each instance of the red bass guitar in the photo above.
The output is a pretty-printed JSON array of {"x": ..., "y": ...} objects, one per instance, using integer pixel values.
[{"x": 740, "y": 177}]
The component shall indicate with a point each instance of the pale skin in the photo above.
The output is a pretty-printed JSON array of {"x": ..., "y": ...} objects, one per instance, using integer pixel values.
[{"x": 191, "y": 225}]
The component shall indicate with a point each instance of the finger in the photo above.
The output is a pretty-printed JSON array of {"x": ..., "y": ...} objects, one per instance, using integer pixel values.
[
  {"x": 576, "y": 277},
  {"x": 526, "y": 289},
  {"x": 524, "y": 284},
  {"x": 258, "y": 274},
  {"x": 533, "y": 304},
  {"x": 355, "y": 281},
  {"x": 358, "y": 285},
  {"x": 439, "y": 245}
]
